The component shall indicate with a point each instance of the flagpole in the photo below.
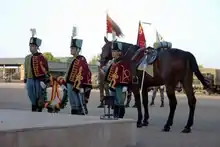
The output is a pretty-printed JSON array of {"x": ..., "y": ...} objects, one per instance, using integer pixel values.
[
  {"x": 147, "y": 23},
  {"x": 145, "y": 66}
]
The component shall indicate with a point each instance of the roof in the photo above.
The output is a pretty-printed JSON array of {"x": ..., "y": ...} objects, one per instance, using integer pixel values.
[
  {"x": 12, "y": 61},
  {"x": 54, "y": 66}
]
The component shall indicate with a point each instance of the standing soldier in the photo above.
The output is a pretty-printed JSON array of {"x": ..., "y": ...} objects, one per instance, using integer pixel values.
[
  {"x": 118, "y": 75},
  {"x": 78, "y": 79},
  {"x": 129, "y": 95},
  {"x": 103, "y": 86},
  {"x": 161, "y": 88},
  {"x": 36, "y": 74}
]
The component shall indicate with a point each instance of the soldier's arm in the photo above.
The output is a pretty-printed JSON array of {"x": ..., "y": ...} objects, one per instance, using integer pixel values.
[
  {"x": 25, "y": 69},
  {"x": 69, "y": 61}
]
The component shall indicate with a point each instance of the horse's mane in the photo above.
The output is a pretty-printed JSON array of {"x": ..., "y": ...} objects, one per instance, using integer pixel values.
[
  {"x": 128, "y": 50},
  {"x": 125, "y": 46}
]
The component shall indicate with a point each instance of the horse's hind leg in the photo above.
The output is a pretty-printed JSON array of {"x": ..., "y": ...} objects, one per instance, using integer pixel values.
[
  {"x": 172, "y": 103},
  {"x": 187, "y": 85},
  {"x": 145, "y": 104}
]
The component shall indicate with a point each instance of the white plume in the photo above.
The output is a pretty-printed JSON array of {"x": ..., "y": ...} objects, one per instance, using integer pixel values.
[
  {"x": 74, "y": 32},
  {"x": 33, "y": 32}
]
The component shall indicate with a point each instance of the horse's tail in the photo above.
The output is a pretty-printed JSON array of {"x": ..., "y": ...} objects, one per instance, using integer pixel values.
[{"x": 196, "y": 70}]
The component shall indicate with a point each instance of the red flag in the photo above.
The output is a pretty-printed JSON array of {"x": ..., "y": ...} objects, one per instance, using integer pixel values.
[
  {"x": 141, "y": 41},
  {"x": 112, "y": 26}
]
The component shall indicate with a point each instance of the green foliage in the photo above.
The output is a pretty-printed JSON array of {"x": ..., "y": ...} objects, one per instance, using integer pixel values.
[
  {"x": 95, "y": 59},
  {"x": 201, "y": 66},
  {"x": 49, "y": 56}
]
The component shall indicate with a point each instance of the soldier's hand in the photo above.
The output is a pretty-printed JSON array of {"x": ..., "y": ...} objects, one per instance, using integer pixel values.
[
  {"x": 63, "y": 87},
  {"x": 124, "y": 89}
]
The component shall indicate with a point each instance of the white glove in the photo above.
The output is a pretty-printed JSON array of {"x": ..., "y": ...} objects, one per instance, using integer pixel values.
[
  {"x": 63, "y": 87},
  {"x": 43, "y": 85},
  {"x": 81, "y": 90},
  {"x": 98, "y": 63},
  {"x": 124, "y": 89}
]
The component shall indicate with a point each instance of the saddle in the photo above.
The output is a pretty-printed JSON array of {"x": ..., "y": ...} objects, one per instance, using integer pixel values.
[{"x": 144, "y": 56}]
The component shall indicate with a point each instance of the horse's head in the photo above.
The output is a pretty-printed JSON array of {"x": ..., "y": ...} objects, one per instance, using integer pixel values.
[{"x": 106, "y": 53}]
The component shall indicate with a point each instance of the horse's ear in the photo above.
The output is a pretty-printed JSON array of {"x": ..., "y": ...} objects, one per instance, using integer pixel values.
[{"x": 106, "y": 40}]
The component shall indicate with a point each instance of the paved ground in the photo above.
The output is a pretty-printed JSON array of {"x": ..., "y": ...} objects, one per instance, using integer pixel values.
[{"x": 206, "y": 131}]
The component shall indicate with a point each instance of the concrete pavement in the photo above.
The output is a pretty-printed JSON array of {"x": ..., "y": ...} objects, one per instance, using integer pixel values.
[{"x": 205, "y": 133}]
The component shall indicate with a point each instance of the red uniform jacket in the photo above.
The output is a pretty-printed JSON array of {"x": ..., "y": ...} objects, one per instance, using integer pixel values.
[
  {"x": 79, "y": 74},
  {"x": 39, "y": 66},
  {"x": 119, "y": 73}
]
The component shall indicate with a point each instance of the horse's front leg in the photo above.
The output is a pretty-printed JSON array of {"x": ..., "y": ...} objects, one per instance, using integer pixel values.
[
  {"x": 145, "y": 104},
  {"x": 138, "y": 105}
]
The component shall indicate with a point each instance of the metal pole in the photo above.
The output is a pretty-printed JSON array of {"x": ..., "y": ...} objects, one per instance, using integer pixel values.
[{"x": 146, "y": 23}]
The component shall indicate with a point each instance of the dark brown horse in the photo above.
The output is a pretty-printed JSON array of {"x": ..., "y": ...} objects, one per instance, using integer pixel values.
[
  {"x": 170, "y": 67},
  {"x": 128, "y": 51}
]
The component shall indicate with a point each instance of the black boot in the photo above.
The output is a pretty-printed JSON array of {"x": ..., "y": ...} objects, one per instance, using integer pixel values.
[
  {"x": 101, "y": 105},
  {"x": 116, "y": 111},
  {"x": 34, "y": 108},
  {"x": 162, "y": 104},
  {"x": 80, "y": 111},
  {"x": 121, "y": 111},
  {"x": 152, "y": 103},
  {"x": 86, "y": 109},
  {"x": 39, "y": 109},
  {"x": 74, "y": 111}
]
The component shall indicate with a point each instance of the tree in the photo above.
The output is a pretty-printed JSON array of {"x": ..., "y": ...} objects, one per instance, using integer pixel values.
[
  {"x": 95, "y": 59},
  {"x": 201, "y": 66},
  {"x": 49, "y": 56}
]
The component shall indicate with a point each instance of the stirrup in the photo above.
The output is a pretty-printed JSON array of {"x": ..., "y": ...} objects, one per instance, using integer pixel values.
[{"x": 135, "y": 80}]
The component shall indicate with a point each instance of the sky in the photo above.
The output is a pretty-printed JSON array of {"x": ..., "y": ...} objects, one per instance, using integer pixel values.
[{"x": 190, "y": 25}]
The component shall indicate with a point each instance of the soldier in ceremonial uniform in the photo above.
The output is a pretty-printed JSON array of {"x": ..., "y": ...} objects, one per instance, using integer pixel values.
[
  {"x": 129, "y": 95},
  {"x": 78, "y": 79},
  {"x": 36, "y": 74},
  {"x": 161, "y": 89},
  {"x": 118, "y": 76}
]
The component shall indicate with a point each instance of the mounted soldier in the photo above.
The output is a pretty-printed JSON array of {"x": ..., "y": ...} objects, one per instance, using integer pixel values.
[
  {"x": 78, "y": 79},
  {"x": 118, "y": 76},
  {"x": 36, "y": 74}
]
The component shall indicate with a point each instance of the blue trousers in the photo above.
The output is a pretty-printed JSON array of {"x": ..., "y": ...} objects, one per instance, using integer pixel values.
[
  {"x": 34, "y": 90},
  {"x": 76, "y": 99},
  {"x": 119, "y": 96}
]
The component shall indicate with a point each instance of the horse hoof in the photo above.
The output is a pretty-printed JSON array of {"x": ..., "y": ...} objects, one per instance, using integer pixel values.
[
  {"x": 139, "y": 125},
  {"x": 145, "y": 123},
  {"x": 186, "y": 130},
  {"x": 166, "y": 129}
]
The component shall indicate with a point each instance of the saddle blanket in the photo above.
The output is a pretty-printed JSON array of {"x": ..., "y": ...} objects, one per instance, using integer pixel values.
[{"x": 148, "y": 69}]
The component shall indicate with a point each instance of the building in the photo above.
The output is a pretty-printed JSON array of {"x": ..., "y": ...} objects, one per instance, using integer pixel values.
[{"x": 14, "y": 68}]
